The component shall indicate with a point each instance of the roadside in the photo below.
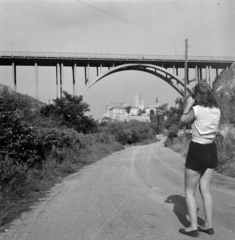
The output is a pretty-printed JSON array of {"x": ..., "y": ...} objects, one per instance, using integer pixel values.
[{"x": 134, "y": 194}]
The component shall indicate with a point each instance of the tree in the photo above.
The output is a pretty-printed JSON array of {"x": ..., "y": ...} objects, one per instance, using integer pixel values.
[
  {"x": 70, "y": 110},
  {"x": 128, "y": 109},
  {"x": 174, "y": 114},
  {"x": 151, "y": 112}
]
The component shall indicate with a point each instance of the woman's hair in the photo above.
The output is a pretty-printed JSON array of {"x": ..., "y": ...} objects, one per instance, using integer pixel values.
[{"x": 207, "y": 98}]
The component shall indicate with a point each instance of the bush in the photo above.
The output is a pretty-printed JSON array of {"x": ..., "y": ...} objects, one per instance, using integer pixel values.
[
  {"x": 226, "y": 153},
  {"x": 129, "y": 132},
  {"x": 17, "y": 139},
  {"x": 70, "y": 111}
]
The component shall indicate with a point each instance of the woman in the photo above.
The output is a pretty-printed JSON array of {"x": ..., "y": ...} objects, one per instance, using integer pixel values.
[{"x": 201, "y": 160}]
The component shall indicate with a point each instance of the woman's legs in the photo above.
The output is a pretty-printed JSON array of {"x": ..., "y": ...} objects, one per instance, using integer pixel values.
[
  {"x": 191, "y": 180},
  {"x": 204, "y": 188}
]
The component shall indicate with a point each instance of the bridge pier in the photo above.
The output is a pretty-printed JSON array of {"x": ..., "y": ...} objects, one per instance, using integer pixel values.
[
  {"x": 36, "y": 79},
  {"x": 74, "y": 69},
  {"x": 61, "y": 78},
  {"x": 200, "y": 71},
  {"x": 196, "y": 74},
  {"x": 57, "y": 78},
  {"x": 210, "y": 76},
  {"x": 14, "y": 76},
  {"x": 88, "y": 72},
  {"x": 100, "y": 67}
]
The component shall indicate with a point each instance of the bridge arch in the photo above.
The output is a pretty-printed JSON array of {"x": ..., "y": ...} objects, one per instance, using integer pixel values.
[{"x": 173, "y": 80}]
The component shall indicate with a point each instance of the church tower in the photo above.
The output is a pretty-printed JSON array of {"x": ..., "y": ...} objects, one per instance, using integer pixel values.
[
  {"x": 136, "y": 101},
  {"x": 141, "y": 103}
]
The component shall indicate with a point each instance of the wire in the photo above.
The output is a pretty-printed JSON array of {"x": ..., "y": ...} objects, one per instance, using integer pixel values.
[
  {"x": 212, "y": 49},
  {"x": 136, "y": 25},
  {"x": 233, "y": 43}
]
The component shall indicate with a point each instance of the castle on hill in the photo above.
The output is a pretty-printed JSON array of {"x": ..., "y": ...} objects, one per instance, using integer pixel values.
[{"x": 125, "y": 112}]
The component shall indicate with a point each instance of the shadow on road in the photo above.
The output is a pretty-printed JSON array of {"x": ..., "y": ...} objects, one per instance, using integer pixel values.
[{"x": 180, "y": 209}]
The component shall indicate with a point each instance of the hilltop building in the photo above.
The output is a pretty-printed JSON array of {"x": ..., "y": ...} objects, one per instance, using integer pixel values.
[{"x": 124, "y": 112}]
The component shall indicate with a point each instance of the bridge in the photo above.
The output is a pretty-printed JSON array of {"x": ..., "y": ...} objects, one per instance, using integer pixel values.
[{"x": 164, "y": 67}]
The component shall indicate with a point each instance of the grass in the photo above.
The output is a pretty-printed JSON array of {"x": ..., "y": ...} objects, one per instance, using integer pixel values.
[
  {"x": 59, "y": 164},
  {"x": 225, "y": 146}
]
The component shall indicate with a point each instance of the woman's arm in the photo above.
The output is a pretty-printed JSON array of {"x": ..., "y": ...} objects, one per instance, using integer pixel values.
[{"x": 188, "y": 114}]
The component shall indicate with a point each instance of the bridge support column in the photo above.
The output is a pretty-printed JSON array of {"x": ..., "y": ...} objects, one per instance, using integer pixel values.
[
  {"x": 97, "y": 71},
  {"x": 88, "y": 72},
  {"x": 100, "y": 67},
  {"x": 177, "y": 72},
  {"x": 74, "y": 78},
  {"x": 61, "y": 78},
  {"x": 206, "y": 70},
  {"x": 57, "y": 78},
  {"x": 85, "y": 72},
  {"x": 200, "y": 70},
  {"x": 216, "y": 72},
  {"x": 196, "y": 74},
  {"x": 36, "y": 80},
  {"x": 210, "y": 81},
  {"x": 14, "y": 76},
  {"x": 174, "y": 69}
]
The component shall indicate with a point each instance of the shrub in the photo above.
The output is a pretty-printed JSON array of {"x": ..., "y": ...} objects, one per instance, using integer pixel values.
[
  {"x": 226, "y": 153},
  {"x": 70, "y": 111},
  {"x": 129, "y": 132},
  {"x": 17, "y": 139}
]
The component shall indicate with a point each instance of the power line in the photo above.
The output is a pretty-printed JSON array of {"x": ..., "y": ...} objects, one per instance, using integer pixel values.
[
  {"x": 233, "y": 43},
  {"x": 212, "y": 49},
  {"x": 135, "y": 24}
]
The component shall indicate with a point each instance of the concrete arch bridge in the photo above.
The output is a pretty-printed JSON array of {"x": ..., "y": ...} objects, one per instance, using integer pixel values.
[
  {"x": 155, "y": 70},
  {"x": 164, "y": 67}
]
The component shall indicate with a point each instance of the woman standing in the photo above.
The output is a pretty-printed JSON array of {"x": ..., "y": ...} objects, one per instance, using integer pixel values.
[{"x": 201, "y": 160}]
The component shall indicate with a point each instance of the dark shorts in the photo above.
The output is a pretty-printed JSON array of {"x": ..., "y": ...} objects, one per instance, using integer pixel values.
[{"x": 201, "y": 156}]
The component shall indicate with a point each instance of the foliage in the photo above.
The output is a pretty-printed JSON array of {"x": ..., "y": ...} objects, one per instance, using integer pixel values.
[
  {"x": 226, "y": 153},
  {"x": 172, "y": 132},
  {"x": 151, "y": 112},
  {"x": 70, "y": 110},
  {"x": 17, "y": 139},
  {"x": 128, "y": 109},
  {"x": 224, "y": 90},
  {"x": 173, "y": 115},
  {"x": 129, "y": 132}
]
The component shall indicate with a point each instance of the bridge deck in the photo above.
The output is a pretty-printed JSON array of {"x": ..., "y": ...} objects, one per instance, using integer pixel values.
[{"x": 109, "y": 60}]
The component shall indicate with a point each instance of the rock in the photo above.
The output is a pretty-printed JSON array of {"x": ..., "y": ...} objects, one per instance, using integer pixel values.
[{"x": 224, "y": 90}]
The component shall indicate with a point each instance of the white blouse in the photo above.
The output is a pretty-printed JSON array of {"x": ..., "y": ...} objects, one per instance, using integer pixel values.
[{"x": 206, "y": 124}]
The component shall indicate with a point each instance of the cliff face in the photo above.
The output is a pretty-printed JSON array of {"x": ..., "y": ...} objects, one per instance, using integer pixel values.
[{"x": 224, "y": 89}]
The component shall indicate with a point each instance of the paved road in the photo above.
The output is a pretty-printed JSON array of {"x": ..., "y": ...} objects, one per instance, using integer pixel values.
[{"x": 134, "y": 194}]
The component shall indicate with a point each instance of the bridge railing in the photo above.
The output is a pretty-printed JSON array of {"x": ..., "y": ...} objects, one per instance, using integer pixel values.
[{"x": 112, "y": 56}]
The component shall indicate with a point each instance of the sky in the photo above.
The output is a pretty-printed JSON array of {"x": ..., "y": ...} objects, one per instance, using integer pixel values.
[{"x": 156, "y": 27}]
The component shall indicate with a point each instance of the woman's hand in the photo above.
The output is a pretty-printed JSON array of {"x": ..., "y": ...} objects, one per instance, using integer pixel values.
[{"x": 188, "y": 114}]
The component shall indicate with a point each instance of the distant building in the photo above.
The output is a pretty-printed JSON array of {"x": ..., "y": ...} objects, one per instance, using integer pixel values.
[
  {"x": 139, "y": 102},
  {"x": 149, "y": 108},
  {"x": 134, "y": 111}
]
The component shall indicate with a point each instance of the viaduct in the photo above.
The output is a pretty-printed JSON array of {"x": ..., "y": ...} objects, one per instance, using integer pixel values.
[{"x": 158, "y": 65}]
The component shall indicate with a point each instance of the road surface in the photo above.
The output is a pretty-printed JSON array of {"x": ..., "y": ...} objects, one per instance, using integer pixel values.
[{"x": 134, "y": 194}]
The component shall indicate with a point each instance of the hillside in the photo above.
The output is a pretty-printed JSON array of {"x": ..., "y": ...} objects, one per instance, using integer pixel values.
[
  {"x": 224, "y": 88},
  {"x": 32, "y": 103}
]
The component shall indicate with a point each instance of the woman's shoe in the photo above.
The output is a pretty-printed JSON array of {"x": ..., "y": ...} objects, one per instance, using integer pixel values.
[
  {"x": 209, "y": 231},
  {"x": 193, "y": 233}
]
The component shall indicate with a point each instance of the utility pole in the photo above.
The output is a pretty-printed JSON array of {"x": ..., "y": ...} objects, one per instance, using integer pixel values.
[
  {"x": 185, "y": 76},
  {"x": 186, "y": 68}
]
